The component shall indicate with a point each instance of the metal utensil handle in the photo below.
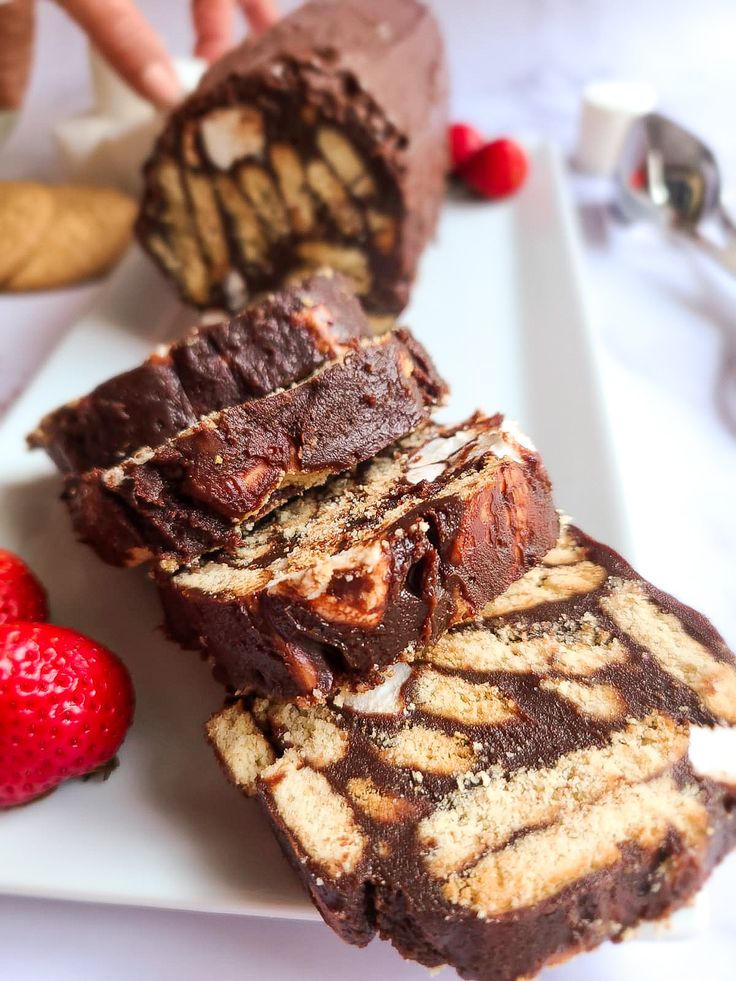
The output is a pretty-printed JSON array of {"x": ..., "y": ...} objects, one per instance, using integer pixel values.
[{"x": 723, "y": 254}]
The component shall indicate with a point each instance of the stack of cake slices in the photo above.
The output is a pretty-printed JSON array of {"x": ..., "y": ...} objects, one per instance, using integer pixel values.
[{"x": 467, "y": 722}]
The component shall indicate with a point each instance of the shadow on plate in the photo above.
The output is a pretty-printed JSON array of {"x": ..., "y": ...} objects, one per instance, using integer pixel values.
[
  {"x": 175, "y": 693},
  {"x": 716, "y": 300},
  {"x": 138, "y": 300}
]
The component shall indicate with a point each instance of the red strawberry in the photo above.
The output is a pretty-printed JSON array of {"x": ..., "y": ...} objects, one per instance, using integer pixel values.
[
  {"x": 465, "y": 140},
  {"x": 65, "y": 705},
  {"x": 22, "y": 597},
  {"x": 638, "y": 180},
  {"x": 497, "y": 169}
]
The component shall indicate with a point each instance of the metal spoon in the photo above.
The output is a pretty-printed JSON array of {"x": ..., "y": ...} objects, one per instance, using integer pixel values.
[{"x": 667, "y": 175}]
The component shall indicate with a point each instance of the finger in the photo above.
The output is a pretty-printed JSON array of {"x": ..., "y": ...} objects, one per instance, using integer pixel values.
[
  {"x": 16, "y": 51},
  {"x": 213, "y": 26},
  {"x": 260, "y": 14},
  {"x": 124, "y": 37}
]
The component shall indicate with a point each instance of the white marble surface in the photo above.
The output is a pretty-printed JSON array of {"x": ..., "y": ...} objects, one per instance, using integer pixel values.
[{"x": 668, "y": 324}]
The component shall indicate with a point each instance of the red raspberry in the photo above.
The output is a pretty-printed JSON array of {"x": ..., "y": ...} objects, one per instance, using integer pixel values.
[{"x": 66, "y": 703}]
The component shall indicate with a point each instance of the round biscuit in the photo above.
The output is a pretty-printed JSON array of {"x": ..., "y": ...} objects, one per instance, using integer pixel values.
[
  {"x": 25, "y": 212},
  {"x": 91, "y": 228}
]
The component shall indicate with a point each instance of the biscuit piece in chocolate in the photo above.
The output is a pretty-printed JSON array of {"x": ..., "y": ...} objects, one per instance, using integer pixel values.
[
  {"x": 321, "y": 142},
  {"x": 375, "y": 566},
  {"x": 192, "y": 494},
  {"x": 522, "y": 791},
  {"x": 274, "y": 343}
]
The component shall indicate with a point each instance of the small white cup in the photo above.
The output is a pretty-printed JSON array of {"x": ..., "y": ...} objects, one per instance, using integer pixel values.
[{"x": 607, "y": 110}]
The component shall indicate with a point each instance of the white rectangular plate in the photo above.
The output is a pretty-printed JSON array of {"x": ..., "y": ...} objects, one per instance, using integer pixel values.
[{"x": 499, "y": 306}]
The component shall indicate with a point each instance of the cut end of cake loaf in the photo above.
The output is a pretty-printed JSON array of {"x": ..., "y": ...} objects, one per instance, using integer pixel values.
[
  {"x": 522, "y": 790},
  {"x": 193, "y": 493},
  {"x": 279, "y": 340},
  {"x": 298, "y": 151},
  {"x": 372, "y": 568}
]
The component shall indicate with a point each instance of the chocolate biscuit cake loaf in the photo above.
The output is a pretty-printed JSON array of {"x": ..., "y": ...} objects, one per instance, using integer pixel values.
[
  {"x": 272, "y": 344},
  {"x": 302, "y": 148},
  {"x": 193, "y": 493},
  {"x": 373, "y": 567},
  {"x": 522, "y": 791}
]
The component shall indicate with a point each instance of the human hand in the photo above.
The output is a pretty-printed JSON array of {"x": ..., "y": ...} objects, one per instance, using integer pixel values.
[
  {"x": 16, "y": 44},
  {"x": 126, "y": 40}
]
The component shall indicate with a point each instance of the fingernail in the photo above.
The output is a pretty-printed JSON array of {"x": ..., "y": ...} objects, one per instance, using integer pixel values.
[
  {"x": 211, "y": 50},
  {"x": 161, "y": 84}
]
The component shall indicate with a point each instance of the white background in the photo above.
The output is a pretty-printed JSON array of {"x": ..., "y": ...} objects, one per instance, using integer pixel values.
[{"x": 666, "y": 321}]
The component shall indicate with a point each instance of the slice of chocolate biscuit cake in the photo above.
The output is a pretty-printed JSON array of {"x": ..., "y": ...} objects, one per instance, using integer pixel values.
[
  {"x": 374, "y": 567},
  {"x": 276, "y": 341},
  {"x": 519, "y": 793},
  {"x": 192, "y": 494}
]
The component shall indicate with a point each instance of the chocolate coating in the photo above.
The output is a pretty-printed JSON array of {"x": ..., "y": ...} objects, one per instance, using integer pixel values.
[{"x": 272, "y": 344}]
